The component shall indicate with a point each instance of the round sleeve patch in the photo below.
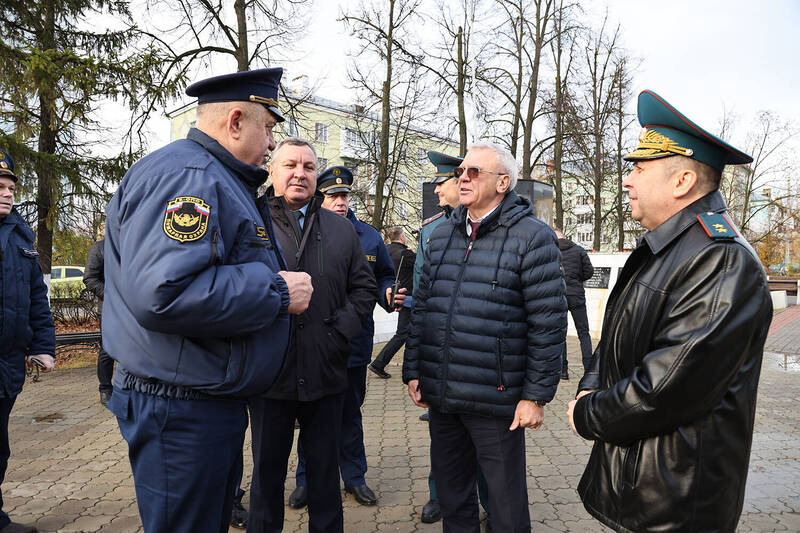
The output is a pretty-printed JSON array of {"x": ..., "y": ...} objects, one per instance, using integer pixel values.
[{"x": 186, "y": 218}]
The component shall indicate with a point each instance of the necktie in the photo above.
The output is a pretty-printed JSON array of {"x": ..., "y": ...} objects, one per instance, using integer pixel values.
[
  {"x": 298, "y": 217},
  {"x": 474, "y": 226}
]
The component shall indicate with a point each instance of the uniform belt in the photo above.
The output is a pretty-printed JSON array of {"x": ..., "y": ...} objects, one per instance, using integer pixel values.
[{"x": 155, "y": 387}]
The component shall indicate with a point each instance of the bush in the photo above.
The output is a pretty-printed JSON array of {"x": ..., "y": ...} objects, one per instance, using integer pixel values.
[{"x": 71, "y": 303}]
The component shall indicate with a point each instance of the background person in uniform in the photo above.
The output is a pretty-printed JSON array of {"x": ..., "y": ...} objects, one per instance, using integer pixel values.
[
  {"x": 678, "y": 363},
  {"x": 313, "y": 383},
  {"x": 447, "y": 191},
  {"x": 197, "y": 303},
  {"x": 335, "y": 183},
  {"x": 95, "y": 281},
  {"x": 398, "y": 251},
  {"x": 577, "y": 269},
  {"x": 27, "y": 332},
  {"x": 486, "y": 379}
]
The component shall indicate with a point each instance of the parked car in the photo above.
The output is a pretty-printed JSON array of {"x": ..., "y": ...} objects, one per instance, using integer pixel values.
[{"x": 66, "y": 274}]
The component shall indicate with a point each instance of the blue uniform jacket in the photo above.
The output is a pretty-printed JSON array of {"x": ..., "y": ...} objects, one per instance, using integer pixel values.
[
  {"x": 193, "y": 296},
  {"x": 26, "y": 325},
  {"x": 383, "y": 270},
  {"x": 425, "y": 231}
]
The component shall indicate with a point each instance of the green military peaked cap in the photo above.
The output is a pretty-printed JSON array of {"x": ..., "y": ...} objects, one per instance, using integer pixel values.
[
  {"x": 669, "y": 132},
  {"x": 444, "y": 165}
]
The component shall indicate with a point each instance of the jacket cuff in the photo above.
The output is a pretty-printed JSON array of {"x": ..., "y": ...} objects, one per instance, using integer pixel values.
[
  {"x": 580, "y": 416},
  {"x": 283, "y": 290}
]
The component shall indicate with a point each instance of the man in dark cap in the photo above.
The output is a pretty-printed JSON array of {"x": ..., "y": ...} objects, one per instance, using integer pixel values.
[
  {"x": 313, "y": 383},
  {"x": 27, "y": 335},
  {"x": 670, "y": 398},
  {"x": 197, "y": 303},
  {"x": 336, "y": 183}
]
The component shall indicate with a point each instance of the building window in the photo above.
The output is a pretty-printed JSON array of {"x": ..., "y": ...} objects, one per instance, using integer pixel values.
[
  {"x": 401, "y": 182},
  {"x": 401, "y": 210},
  {"x": 584, "y": 218},
  {"x": 583, "y": 199},
  {"x": 422, "y": 155},
  {"x": 323, "y": 163},
  {"x": 352, "y": 138},
  {"x": 290, "y": 127},
  {"x": 420, "y": 184},
  {"x": 584, "y": 237},
  {"x": 321, "y": 134}
]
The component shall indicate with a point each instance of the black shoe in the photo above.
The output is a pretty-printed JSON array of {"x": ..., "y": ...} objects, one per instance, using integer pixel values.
[
  {"x": 425, "y": 418},
  {"x": 363, "y": 494},
  {"x": 381, "y": 373},
  {"x": 299, "y": 498},
  {"x": 104, "y": 397},
  {"x": 565, "y": 374},
  {"x": 431, "y": 512},
  {"x": 239, "y": 516}
]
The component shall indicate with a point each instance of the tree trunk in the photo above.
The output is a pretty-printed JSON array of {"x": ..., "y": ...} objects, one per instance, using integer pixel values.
[
  {"x": 533, "y": 87},
  {"x": 242, "y": 54},
  {"x": 383, "y": 164},
  {"x": 515, "y": 125},
  {"x": 46, "y": 145},
  {"x": 462, "y": 116},
  {"x": 620, "y": 129}
]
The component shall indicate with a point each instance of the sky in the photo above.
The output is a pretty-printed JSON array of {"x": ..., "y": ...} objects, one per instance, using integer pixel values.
[{"x": 706, "y": 57}]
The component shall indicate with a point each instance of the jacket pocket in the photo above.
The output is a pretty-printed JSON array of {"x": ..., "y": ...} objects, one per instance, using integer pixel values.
[{"x": 498, "y": 352}]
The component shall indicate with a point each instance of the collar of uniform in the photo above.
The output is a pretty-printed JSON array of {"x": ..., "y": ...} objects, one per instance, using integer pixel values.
[
  {"x": 658, "y": 238},
  {"x": 252, "y": 176}
]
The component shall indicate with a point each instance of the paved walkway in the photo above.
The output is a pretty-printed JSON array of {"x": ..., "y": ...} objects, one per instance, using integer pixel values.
[
  {"x": 784, "y": 332},
  {"x": 69, "y": 469}
]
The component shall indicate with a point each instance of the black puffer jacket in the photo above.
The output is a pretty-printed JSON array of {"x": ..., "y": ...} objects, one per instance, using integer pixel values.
[
  {"x": 344, "y": 296},
  {"x": 577, "y": 269},
  {"x": 676, "y": 373},
  {"x": 488, "y": 326}
]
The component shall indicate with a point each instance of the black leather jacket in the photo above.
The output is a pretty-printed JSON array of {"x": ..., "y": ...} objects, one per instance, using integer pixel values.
[{"x": 676, "y": 373}]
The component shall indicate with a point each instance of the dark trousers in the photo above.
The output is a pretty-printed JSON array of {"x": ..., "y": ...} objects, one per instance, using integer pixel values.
[
  {"x": 459, "y": 443},
  {"x": 320, "y": 433},
  {"x": 483, "y": 489},
  {"x": 397, "y": 341},
  {"x": 581, "y": 321},
  {"x": 182, "y": 454},
  {"x": 352, "y": 456},
  {"x": 105, "y": 370},
  {"x": 5, "y": 452}
]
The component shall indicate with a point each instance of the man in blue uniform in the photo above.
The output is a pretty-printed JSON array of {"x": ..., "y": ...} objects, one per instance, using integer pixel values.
[
  {"x": 27, "y": 334},
  {"x": 335, "y": 183},
  {"x": 197, "y": 303}
]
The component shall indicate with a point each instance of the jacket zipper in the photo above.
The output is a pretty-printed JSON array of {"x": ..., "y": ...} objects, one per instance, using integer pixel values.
[
  {"x": 446, "y": 347},
  {"x": 499, "y": 353},
  {"x": 319, "y": 252}
]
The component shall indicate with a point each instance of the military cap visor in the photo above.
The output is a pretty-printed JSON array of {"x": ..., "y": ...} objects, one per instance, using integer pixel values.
[
  {"x": 669, "y": 132},
  {"x": 335, "y": 180},
  {"x": 7, "y": 166},
  {"x": 444, "y": 166},
  {"x": 259, "y": 86}
]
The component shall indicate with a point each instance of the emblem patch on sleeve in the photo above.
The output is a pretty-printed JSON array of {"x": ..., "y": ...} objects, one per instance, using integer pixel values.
[{"x": 186, "y": 218}]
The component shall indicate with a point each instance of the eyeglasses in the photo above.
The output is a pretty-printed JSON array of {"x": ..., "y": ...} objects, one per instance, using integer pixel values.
[{"x": 472, "y": 172}]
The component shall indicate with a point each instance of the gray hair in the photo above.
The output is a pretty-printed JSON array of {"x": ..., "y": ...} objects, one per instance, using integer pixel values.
[
  {"x": 504, "y": 157},
  {"x": 296, "y": 141}
]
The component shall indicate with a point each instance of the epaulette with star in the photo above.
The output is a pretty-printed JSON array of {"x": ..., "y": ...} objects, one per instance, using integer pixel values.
[
  {"x": 717, "y": 226},
  {"x": 431, "y": 219}
]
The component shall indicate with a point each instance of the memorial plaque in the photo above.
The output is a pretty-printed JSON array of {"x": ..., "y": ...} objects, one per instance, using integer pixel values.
[{"x": 599, "y": 279}]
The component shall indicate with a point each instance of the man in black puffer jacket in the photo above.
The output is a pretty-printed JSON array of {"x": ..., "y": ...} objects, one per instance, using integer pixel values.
[
  {"x": 577, "y": 269},
  {"x": 488, "y": 330}
]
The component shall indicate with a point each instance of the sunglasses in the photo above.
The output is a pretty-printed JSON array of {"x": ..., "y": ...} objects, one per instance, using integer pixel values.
[{"x": 472, "y": 172}]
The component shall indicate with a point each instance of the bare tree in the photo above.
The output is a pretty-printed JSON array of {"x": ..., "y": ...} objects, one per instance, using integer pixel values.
[
  {"x": 385, "y": 29},
  {"x": 590, "y": 119}
]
